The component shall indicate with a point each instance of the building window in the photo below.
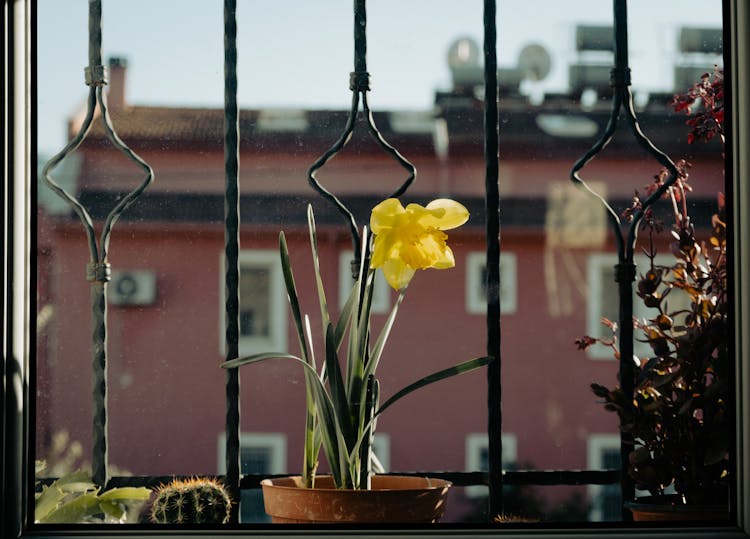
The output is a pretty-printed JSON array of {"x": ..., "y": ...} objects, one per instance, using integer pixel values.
[
  {"x": 381, "y": 446},
  {"x": 604, "y": 301},
  {"x": 263, "y": 320},
  {"x": 381, "y": 293},
  {"x": 260, "y": 453},
  {"x": 478, "y": 457},
  {"x": 603, "y": 453},
  {"x": 476, "y": 283}
]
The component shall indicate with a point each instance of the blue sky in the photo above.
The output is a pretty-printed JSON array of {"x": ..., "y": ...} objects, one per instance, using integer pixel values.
[{"x": 298, "y": 53}]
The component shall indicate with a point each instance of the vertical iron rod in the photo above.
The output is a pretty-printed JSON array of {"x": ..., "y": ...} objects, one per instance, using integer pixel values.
[
  {"x": 492, "y": 209},
  {"x": 98, "y": 273},
  {"x": 231, "y": 237},
  {"x": 95, "y": 33},
  {"x": 625, "y": 269},
  {"x": 360, "y": 37}
]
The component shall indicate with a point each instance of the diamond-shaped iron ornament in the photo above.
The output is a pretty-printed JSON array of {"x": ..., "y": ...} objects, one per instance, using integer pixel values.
[
  {"x": 359, "y": 84},
  {"x": 98, "y": 270}
]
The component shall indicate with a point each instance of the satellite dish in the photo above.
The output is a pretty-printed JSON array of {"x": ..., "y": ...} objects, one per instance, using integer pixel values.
[
  {"x": 464, "y": 52},
  {"x": 534, "y": 62}
]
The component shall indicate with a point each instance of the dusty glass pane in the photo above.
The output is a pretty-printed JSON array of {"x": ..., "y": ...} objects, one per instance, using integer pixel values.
[{"x": 166, "y": 317}]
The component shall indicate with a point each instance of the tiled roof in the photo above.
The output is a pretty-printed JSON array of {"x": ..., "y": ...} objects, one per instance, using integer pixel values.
[
  {"x": 555, "y": 127},
  {"x": 280, "y": 127}
]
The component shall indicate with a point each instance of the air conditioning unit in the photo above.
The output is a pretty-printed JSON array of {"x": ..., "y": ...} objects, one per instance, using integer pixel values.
[{"x": 132, "y": 287}]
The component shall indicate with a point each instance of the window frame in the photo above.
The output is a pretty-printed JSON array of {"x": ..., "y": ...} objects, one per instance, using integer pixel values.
[
  {"x": 381, "y": 293},
  {"x": 18, "y": 231},
  {"x": 278, "y": 338},
  {"x": 475, "y": 444},
  {"x": 276, "y": 442},
  {"x": 476, "y": 301}
]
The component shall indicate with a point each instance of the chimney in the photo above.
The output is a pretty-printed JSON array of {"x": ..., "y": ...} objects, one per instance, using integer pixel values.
[{"x": 118, "y": 67}]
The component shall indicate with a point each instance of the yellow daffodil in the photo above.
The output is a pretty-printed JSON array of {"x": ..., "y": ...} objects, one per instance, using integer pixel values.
[{"x": 412, "y": 238}]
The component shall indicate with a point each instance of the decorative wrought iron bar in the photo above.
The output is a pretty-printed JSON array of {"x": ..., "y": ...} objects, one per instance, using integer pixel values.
[
  {"x": 492, "y": 228},
  {"x": 359, "y": 84},
  {"x": 232, "y": 249},
  {"x": 98, "y": 269},
  {"x": 625, "y": 236}
]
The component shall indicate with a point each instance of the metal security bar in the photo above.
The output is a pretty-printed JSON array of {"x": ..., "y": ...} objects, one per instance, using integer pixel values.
[
  {"x": 626, "y": 239},
  {"x": 492, "y": 210},
  {"x": 232, "y": 250},
  {"x": 98, "y": 270}
]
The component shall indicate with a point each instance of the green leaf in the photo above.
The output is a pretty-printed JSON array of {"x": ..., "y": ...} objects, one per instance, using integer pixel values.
[
  {"x": 461, "y": 368},
  {"x": 113, "y": 510},
  {"x": 338, "y": 391},
  {"x": 345, "y": 316},
  {"x": 75, "y": 510},
  {"x": 255, "y": 358},
  {"x": 309, "y": 460},
  {"x": 377, "y": 350},
  {"x": 125, "y": 494},
  {"x": 291, "y": 289},
  {"x": 363, "y": 322},
  {"x": 324, "y": 316},
  {"x": 47, "y": 501},
  {"x": 78, "y": 481}
]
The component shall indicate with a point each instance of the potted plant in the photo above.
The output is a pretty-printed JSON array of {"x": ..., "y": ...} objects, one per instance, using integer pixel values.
[
  {"x": 680, "y": 413},
  {"x": 343, "y": 397},
  {"x": 198, "y": 500}
]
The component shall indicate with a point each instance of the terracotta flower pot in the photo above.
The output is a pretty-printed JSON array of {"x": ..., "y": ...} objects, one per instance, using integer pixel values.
[
  {"x": 665, "y": 508},
  {"x": 392, "y": 499}
]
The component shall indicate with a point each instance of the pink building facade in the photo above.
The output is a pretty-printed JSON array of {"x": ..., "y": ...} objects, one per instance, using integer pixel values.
[{"x": 165, "y": 315}]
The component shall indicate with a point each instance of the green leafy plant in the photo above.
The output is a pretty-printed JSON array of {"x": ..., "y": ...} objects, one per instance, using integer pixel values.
[
  {"x": 343, "y": 403},
  {"x": 191, "y": 501},
  {"x": 680, "y": 412},
  {"x": 73, "y": 498}
]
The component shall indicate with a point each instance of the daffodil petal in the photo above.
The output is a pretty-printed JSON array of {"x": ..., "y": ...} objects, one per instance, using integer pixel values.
[
  {"x": 386, "y": 246},
  {"x": 426, "y": 250},
  {"x": 446, "y": 261},
  {"x": 452, "y": 214},
  {"x": 397, "y": 273},
  {"x": 385, "y": 215}
]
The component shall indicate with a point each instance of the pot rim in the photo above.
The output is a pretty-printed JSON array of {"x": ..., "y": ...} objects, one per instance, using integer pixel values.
[{"x": 292, "y": 480}]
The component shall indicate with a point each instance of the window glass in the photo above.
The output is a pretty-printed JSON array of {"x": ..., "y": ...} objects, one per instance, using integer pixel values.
[{"x": 166, "y": 322}]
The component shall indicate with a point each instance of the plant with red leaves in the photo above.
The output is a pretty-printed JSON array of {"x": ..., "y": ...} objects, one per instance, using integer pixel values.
[{"x": 680, "y": 412}]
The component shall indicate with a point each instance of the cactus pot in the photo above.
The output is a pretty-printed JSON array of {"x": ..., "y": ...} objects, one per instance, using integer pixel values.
[{"x": 392, "y": 499}]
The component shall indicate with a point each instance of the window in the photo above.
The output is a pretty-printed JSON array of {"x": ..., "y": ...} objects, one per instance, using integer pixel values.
[
  {"x": 381, "y": 446},
  {"x": 605, "y": 500},
  {"x": 478, "y": 458},
  {"x": 381, "y": 293},
  {"x": 142, "y": 340},
  {"x": 259, "y": 453},
  {"x": 263, "y": 316},
  {"x": 476, "y": 283},
  {"x": 603, "y": 301}
]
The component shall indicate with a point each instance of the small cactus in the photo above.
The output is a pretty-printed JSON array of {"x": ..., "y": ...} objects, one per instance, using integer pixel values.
[{"x": 191, "y": 501}]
